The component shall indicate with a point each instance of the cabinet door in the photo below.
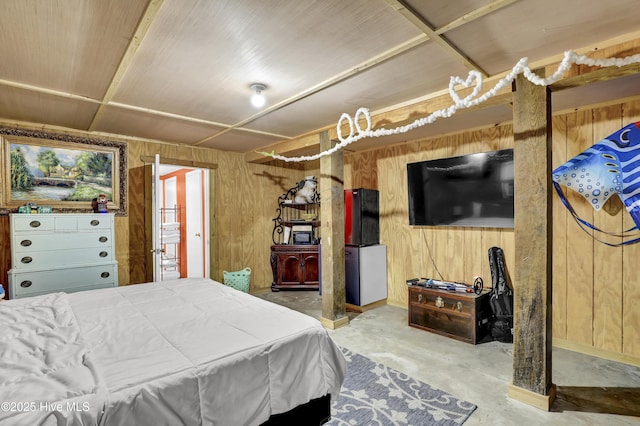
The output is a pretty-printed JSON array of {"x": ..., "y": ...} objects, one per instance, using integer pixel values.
[
  {"x": 310, "y": 268},
  {"x": 289, "y": 269}
]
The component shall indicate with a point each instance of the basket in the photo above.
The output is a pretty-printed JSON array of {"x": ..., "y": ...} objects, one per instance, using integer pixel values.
[{"x": 238, "y": 279}]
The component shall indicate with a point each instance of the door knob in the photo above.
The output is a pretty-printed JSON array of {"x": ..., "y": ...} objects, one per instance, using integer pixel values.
[{"x": 197, "y": 234}]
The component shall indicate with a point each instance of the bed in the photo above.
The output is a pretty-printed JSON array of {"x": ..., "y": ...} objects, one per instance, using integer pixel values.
[{"x": 187, "y": 351}]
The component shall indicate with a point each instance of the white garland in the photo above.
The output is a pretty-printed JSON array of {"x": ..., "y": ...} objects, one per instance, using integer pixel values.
[{"x": 471, "y": 100}]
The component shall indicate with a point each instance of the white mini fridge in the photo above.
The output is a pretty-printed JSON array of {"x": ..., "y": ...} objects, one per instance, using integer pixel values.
[{"x": 365, "y": 274}]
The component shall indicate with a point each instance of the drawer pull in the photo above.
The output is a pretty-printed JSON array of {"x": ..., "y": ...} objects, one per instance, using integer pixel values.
[
  {"x": 105, "y": 275},
  {"x": 25, "y": 243},
  {"x": 459, "y": 306},
  {"x": 26, "y": 283},
  {"x": 439, "y": 302},
  {"x": 103, "y": 239},
  {"x": 419, "y": 297},
  {"x": 26, "y": 259},
  {"x": 35, "y": 223},
  {"x": 103, "y": 254},
  {"x": 95, "y": 222}
]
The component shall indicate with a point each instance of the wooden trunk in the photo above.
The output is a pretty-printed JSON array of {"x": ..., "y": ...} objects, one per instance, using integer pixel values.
[{"x": 461, "y": 316}]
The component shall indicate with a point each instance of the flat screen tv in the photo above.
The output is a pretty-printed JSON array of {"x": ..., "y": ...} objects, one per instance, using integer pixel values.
[{"x": 473, "y": 190}]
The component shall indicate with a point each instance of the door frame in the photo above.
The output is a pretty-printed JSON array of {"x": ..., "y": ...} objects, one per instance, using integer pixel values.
[{"x": 148, "y": 161}]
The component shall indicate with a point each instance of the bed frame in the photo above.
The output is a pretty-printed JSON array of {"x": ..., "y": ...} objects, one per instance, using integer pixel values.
[{"x": 315, "y": 412}]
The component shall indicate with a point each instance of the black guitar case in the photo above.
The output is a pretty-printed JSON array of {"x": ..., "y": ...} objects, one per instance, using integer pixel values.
[{"x": 501, "y": 297}]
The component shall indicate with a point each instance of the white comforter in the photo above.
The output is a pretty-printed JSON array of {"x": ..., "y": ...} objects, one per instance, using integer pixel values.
[{"x": 188, "y": 351}]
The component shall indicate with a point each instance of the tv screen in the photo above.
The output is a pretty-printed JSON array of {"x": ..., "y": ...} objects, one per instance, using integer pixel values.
[{"x": 469, "y": 190}]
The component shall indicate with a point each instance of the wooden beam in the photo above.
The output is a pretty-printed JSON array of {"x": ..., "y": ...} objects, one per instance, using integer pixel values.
[
  {"x": 363, "y": 66},
  {"x": 409, "y": 113},
  {"x": 192, "y": 119},
  {"x": 150, "y": 159},
  {"x": 402, "y": 7},
  {"x": 602, "y": 74},
  {"x": 389, "y": 119},
  {"x": 288, "y": 148},
  {"x": 38, "y": 89},
  {"x": 334, "y": 297},
  {"x": 146, "y": 20},
  {"x": 474, "y": 14},
  {"x": 400, "y": 118},
  {"x": 532, "y": 338}
]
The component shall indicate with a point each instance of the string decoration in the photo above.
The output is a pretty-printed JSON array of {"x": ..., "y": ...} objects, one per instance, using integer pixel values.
[{"x": 475, "y": 80}]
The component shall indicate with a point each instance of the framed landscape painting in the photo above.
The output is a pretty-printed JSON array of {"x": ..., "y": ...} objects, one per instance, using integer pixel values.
[{"x": 64, "y": 172}]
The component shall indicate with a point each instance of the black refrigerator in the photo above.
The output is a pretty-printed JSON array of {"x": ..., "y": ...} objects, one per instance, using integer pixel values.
[{"x": 362, "y": 225}]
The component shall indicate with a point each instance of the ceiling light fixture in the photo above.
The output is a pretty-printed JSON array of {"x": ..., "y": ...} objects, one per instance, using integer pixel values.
[{"x": 257, "y": 100}]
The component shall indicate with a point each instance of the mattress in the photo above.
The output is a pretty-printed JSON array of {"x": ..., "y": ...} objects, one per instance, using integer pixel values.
[{"x": 187, "y": 351}]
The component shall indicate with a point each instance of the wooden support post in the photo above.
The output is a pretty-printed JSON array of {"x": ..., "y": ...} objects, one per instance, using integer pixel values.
[
  {"x": 533, "y": 246},
  {"x": 332, "y": 236}
]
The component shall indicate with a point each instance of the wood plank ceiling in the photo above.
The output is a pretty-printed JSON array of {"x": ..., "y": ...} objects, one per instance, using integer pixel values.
[{"x": 180, "y": 70}]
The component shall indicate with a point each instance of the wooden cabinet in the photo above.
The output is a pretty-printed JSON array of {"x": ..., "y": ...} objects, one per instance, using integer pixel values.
[
  {"x": 61, "y": 252},
  {"x": 295, "y": 259},
  {"x": 295, "y": 267},
  {"x": 461, "y": 316}
]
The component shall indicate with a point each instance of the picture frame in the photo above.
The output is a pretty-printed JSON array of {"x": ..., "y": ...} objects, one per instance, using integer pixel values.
[{"x": 61, "y": 171}]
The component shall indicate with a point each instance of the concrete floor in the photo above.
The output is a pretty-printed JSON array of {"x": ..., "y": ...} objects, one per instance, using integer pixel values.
[{"x": 591, "y": 390}]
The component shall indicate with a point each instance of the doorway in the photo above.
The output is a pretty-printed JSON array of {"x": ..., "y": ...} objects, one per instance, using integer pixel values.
[{"x": 182, "y": 204}]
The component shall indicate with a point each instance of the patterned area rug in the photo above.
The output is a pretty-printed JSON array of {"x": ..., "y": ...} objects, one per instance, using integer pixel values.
[{"x": 373, "y": 394}]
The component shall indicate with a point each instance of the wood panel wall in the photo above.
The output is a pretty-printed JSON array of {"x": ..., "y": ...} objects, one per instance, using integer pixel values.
[
  {"x": 450, "y": 253},
  {"x": 243, "y": 207},
  {"x": 246, "y": 202},
  {"x": 594, "y": 286}
]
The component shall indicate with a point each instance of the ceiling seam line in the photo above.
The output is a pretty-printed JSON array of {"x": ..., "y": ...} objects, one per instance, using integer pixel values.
[
  {"x": 338, "y": 78},
  {"x": 150, "y": 111},
  {"x": 149, "y": 15},
  {"x": 38, "y": 89},
  {"x": 191, "y": 119},
  {"x": 474, "y": 14},
  {"x": 403, "y": 8}
]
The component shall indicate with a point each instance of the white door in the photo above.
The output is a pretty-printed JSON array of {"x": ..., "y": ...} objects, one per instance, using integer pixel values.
[
  {"x": 156, "y": 221},
  {"x": 195, "y": 231}
]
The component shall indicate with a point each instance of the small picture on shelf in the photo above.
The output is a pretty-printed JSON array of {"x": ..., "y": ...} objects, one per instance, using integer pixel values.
[
  {"x": 302, "y": 237},
  {"x": 302, "y": 228}
]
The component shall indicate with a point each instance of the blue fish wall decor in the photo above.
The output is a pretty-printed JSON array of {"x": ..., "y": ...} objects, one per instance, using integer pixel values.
[{"x": 611, "y": 166}]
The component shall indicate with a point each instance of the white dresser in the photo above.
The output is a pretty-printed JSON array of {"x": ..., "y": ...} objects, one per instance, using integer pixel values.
[{"x": 61, "y": 252}]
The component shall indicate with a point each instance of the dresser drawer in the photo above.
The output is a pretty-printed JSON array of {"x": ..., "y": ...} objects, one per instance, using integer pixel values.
[
  {"x": 460, "y": 316},
  {"x": 96, "y": 221},
  {"x": 59, "y": 258},
  {"x": 27, "y": 222},
  {"x": 61, "y": 222},
  {"x": 22, "y": 284},
  {"x": 30, "y": 242}
]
